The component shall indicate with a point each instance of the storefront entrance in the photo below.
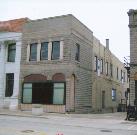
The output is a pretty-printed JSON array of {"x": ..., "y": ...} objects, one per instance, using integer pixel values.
[{"x": 44, "y": 93}]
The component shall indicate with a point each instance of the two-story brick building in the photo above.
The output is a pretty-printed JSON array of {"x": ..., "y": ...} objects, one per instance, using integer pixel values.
[{"x": 66, "y": 69}]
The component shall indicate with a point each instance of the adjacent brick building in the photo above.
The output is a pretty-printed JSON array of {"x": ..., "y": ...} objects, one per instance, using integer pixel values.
[{"x": 66, "y": 69}]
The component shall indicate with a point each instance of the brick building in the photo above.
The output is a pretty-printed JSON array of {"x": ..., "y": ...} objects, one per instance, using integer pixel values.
[
  {"x": 66, "y": 69},
  {"x": 133, "y": 55},
  {"x": 110, "y": 80}
]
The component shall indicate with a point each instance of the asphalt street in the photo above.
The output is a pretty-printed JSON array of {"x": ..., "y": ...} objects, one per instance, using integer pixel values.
[{"x": 70, "y": 124}]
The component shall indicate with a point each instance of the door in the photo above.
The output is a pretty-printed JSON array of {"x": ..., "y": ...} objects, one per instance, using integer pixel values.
[{"x": 103, "y": 99}]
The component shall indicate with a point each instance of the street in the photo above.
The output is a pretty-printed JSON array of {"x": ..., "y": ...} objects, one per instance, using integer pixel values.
[{"x": 68, "y": 124}]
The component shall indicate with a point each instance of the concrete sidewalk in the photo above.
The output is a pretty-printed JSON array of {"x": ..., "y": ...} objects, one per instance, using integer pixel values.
[{"x": 117, "y": 115}]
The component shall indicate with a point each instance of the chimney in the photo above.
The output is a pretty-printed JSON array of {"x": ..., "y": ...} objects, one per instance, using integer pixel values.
[{"x": 107, "y": 44}]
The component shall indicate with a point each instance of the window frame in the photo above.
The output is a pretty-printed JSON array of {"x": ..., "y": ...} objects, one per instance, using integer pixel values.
[
  {"x": 101, "y": 66},
  {"x": 10, "y": 50},
  {"x": 9, "y": 86},
  {"x": 117, "y": 73},
  {"x": 124, "y": 76},
  {"x": 42, "y": 44},
  {"x": 111, "y": 69},
  {"x": 114, "y": 97},
  {"x": 121, "y": 75},
  {"x": 52, "y": 52},
  {"x": 106, "y": 66},
  {"x": 95, "y": 63},
  {"x": 77, "y": 52},
  {"x": 30, "y": 58}
]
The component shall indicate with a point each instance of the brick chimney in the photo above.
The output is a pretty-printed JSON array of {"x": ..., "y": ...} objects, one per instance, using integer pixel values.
[{"x": 107, "y": 44}]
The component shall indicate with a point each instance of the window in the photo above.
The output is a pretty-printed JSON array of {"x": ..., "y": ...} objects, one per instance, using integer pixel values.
[
  {"x": 55, "y": 50},
  {"x": 124, "y": 76},
  {"x": 113, "y": 94},
  {"x": 33, "y": 52},
  {"x": 106, "y": 68},
  {"x": 127, "y": 78},
  {"x": 11, "y": 52},
  {"x": 9, "y": 84},
  {"x": 44, "y": 51},
  {"x": 77, "y": 53},
  {"x": 98, "y": 67},
  {"x": 111, "y": 70},
  {"x": 95, "y": 63},
  {"x": 27, "y": 93},
  {"x": 117, "y": 74},
  {"x": 101, "y": 65},
  {"x": 121, "y": 76},
  {"x": 58, "y": 94}
]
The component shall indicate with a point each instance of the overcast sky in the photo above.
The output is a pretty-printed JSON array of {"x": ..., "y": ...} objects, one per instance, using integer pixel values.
[{"x": 106, "y": 18}]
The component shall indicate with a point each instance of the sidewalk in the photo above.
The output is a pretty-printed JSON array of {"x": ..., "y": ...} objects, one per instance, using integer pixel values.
[{"x": 19, "y": 113}]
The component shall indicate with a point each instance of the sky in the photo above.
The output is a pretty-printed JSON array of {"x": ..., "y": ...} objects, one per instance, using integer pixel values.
[{"x": 107, "y": 19}]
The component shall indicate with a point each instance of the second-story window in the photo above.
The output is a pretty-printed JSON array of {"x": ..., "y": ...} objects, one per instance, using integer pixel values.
[
  {"x": 121, "y": 76},
  {"x": 101, "y": 65},
  {"x": 117, "y": 74},
  {"x": 33, "y": 52},
  {"x": 44, "y": 51},
  {"x": 11, "y": 52},
  {"x": 106, "y": 68},
  {"x": 111, "y": 70},
  {"x": 55, "y": 50},
  {"x": 95, "y": 63},
  {"x": 124, "y": 76},
  {"x": 77, "y": 53}
]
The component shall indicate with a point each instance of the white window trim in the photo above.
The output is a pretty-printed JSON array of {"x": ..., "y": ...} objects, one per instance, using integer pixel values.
[
  {"x": 28, "y": 52},
  {"x": 49, "y": 50},
  {"x": 38, "y": 51},
  {"x": 61, "y": 50}
]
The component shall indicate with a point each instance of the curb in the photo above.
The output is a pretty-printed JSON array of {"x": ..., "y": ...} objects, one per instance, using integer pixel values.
[{"x": 19, "y": 115}]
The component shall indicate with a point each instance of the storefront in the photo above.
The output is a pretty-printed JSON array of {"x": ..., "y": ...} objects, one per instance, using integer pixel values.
[{"x": 49, "y": 93}]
